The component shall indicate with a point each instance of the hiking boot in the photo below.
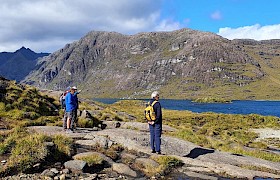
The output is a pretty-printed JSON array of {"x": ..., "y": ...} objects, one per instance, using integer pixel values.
[
  {"x": 69, "y": 131},
  {"x": 153, "y": 151}
]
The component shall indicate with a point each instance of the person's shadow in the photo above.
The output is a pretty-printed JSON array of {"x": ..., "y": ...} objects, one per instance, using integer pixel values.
[{"x": 197, "y": 152}]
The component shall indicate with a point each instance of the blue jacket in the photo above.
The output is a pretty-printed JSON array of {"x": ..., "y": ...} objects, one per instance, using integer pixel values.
[
  {"x": 157, "y": 109},
  {"x": 71, "y": 102}
]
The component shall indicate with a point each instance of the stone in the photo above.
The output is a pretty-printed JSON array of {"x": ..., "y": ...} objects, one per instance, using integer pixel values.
[
  {"x": 94, "y": 140},
  {"x": 48, "y": 173},
  {"x": 48, "y": 178},
  {"x": 123, "y": 169},
  {"x": 105, "y": 158},
  {"x": 57, "y": 165},
  {"x": 95, "y": 128},
  {"x": 128, "y": 156},
  {"x": 75, "y": 165},
  {"x": 54, "y": 170},
  {"x": 62, "y": 177},
  {"x": 197, "y": 159},
  {"x": 84, "y": 114},
  {"x": 146, "y": 162},
  {"x": 36, "y": 167},
  {"x": 199, "y": 176},
  {"x": 65, "y": 171}
]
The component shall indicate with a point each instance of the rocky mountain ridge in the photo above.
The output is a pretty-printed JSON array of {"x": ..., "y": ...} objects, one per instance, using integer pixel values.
[
  {"x": 16, "y": 65},
  {"x": 180, "y": 64}
]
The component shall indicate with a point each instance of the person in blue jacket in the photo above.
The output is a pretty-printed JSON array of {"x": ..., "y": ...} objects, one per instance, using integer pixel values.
[
  {"x": 156, "y": 126},
  {"x": 71, "y": 103},
  {"x": 75, "y": 120}
]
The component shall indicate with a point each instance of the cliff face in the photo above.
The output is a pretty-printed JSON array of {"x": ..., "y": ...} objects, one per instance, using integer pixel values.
[
  {"x": 17, "y": 65},
  {"x": 183, "y": 63}
]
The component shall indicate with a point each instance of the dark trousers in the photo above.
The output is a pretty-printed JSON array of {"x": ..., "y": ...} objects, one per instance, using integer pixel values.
[
  {"x": 155, "y": 136},
  {"x": 64, "y": 119}
]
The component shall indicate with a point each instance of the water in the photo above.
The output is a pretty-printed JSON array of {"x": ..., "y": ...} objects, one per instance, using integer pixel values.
[{"x": 236, "y": 107}]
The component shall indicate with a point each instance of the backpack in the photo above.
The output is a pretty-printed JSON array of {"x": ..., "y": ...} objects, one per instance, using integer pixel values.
[
  {"x": 62, "y": 99},
  {"x": 149, "y": 112}
]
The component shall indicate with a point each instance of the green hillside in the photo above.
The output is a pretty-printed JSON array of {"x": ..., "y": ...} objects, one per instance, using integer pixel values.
[{"x": 21, "y": 104}]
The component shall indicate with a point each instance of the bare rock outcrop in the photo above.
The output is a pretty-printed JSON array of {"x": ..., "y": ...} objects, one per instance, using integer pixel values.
[{"x": 196, "y": 159}]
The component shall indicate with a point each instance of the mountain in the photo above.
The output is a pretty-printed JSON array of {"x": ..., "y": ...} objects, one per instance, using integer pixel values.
[
  {"x": 16, "y": 65},
  {"x": 180, "y": 64}
]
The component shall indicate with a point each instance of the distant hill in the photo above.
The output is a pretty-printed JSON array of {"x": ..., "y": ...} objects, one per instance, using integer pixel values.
[
  {"x": 180, "y": 64},
  {"x": 16, "y": 65}
]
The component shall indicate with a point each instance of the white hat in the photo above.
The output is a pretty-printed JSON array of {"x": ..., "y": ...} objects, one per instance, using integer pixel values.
[
  {"x": 74, "y": 87},
  {"x": 154, "y": 94}
]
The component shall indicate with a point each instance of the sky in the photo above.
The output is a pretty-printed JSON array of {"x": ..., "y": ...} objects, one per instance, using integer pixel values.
[{"x": 48, "y": 25}]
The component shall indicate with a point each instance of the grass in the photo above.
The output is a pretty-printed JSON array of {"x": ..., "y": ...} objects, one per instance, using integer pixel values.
[
  {"x": 63, "y": 146},
  {"x": 258, "y": 168},
  {"x": 10, "y": 140},
  {"x": 167, "y": 161},
  {"x": 165, "y": 165},
  {"x": 93, "y": 159},
  {"x": 256, "y": 153},
  {"x": 26, "y": 149},
  {"x": 22, "y": 105}
]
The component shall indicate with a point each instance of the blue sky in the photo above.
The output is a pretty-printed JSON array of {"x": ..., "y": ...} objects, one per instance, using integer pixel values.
[
  {"x": 211, "y": 15},
  {"x": 47, "y": 25}
]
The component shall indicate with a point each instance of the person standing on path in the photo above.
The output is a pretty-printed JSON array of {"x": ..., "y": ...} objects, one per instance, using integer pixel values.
[
  {"x": 63, "y": 105},
  {"x": 71, "y": 107},
  {"x": 75, "y": 120},
  {"x": 156, "y": 126}
]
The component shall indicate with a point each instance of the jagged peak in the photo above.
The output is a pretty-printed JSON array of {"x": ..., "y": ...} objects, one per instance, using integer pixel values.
[{"x": 24, "y": 49}]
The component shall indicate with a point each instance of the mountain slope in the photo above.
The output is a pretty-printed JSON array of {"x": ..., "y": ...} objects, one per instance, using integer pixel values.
[
  {"x": 181, "y": 64},
  {"x": 18, "y": 64},
  {"x": 20, "y": 102}
]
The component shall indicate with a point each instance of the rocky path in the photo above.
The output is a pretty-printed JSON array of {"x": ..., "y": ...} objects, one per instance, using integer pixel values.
[{"x": 199, "y": 162}]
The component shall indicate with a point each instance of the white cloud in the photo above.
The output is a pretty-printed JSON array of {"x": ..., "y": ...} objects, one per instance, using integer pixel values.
[
  {"x": 216, "y": 15},
  {"x": 168, "y": 25},
  {"x": 47, "y": 25},
  {"x": 256, "y": 32}
]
